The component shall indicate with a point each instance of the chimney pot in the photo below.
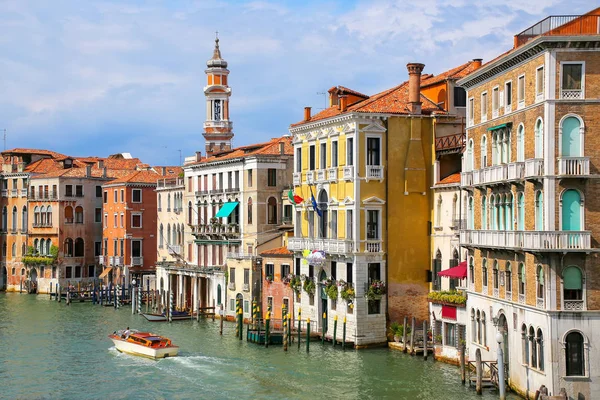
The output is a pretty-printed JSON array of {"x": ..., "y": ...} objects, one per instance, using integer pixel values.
[
  {"x": 104, "y": 172},
  {"x": 414, "y": 86},
  {"x": 477, "y": 62},
  {"x": 198, "y": 155},
  {"x": 88, "y": 170},
  {"x": 306, "y": 114}
]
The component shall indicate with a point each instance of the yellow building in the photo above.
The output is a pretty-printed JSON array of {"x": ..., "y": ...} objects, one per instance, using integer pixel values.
[{"x": 368, "y": 162}]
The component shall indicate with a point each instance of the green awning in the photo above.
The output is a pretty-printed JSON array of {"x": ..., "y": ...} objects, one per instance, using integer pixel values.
[
  {"x": 494, "y": 128},
  {"x": 226, "y": 209},
  {"x": 572, "y": 278}
]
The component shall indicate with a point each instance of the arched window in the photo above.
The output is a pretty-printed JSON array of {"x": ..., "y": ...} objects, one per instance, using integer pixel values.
[
  {"x": 24, "y": 219},
  {"x": 79, "y": 215},
  {"x": 539, "y": 211},
  {"x": 159, "y": 205},
  {"x": 521, "y": 143},
  {"x": 169, "y": 202},
  {"x": 437, "y": 267},
  {"x": 473, "y": 326},
  {"x": 438, "y": 212},
  {"x": 161, "y": 236},
  {"x": 573, "y": 288},
  {"x": 42, "y": 246},
  {"x": 272, "y": 210},
  {"x": 478, "y": 327},
  {"x": 79, "y": 248},
  {"x": 508, "y": 212},
  {"x": 521, "y": 278},
  {"x": 190, "y": 215},
  {"x": 524, "y": 344},
  {"x": 521, "y": 212},
  {"x": 13, "y": 250},
  {"x": 48, "y": 246},
  {"x": 472, "y": 270},
  {"x": 471, "y": 217},
  {"x": 539, "y": 138},
  {"x": 36, "y": 216},
  {"x": 508, "y": 277},
  {"x": 49, "y": 215},
  {"x": 483, "y": 151},
  {"x": 483, "y": 213},
  {"x": 469, "y": 166},
  {"x": 4, "y": 219},
  {"x": 68, "y": 215},
  {"x": 14, "y": 219},
  {"x": 493, "y": 213},
  {"x": 36, "y": 246},
  {"x": 322, "y": 204},
  {"x": 249, "y": 212},
  {"x": 43, "y": 215},
  {"x": 540, "y": 282},
  {"x": 533, "y": 350},
  {"x": 219, "y": 294},
  {"x": 455, "y": 209},
  {"x": 168, "y": 234},
  {"x": 483, "y": 328},
  {"x": 500, "y": 205},
  {"x": 574, "y": 354},
  {"x": 484, "y": 273},
  {"x": 571, "y": 210},
  {"x": 571, "y": 133},
  {"x": 540, "y": 346},
  {"x": 68, "y": 248},
  {"x": 495, "y": 274}
]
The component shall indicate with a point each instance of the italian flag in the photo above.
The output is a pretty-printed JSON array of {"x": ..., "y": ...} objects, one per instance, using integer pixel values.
[{"x": 294, "y": 198}]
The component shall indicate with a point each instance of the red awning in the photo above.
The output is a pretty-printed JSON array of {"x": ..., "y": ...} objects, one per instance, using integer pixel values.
[{"x": 458, "y": 272}]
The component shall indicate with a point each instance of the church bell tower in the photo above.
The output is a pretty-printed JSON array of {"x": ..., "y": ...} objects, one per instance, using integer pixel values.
[{"x": 218, "y": 128}]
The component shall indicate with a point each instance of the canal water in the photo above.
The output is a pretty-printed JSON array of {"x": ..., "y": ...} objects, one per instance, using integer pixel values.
[{"x": 53, "y": 351}]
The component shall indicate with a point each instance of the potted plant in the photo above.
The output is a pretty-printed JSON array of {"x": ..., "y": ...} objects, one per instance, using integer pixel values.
[
  {"x": 309, "y": 286},
  {"x": 396, "y": 330},
  {"x": 296, "y": 284},
  {"x": 332, "y": 290},
  {"x": 269, "y": 278},
  {"x": 376, "y": 290},
  {"x": 448, "y": 297},
  {"x": 348, "y": 293},
  {"x": 286, "y": 279}
]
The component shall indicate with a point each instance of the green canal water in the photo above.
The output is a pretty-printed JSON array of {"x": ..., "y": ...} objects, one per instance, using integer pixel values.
[{"x": 53, "y": 351}]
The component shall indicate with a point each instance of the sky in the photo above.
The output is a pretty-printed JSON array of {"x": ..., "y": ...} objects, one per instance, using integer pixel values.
[{"x": 96, "y": 78}]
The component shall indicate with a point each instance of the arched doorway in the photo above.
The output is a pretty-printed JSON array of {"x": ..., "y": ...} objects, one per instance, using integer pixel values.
[
  {"x": 322, "y": 277},
  {"x": 4, "y": 278},
  {"x": 503, "y": 328},
  {"x": 33, "y": 281}
]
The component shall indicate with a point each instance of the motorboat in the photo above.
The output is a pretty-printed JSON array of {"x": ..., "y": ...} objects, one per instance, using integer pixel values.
[{"x": 144, "y": 344}]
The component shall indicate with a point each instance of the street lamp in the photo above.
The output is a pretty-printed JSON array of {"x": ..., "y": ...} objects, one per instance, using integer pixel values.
[{"x": 501, "y": 389}]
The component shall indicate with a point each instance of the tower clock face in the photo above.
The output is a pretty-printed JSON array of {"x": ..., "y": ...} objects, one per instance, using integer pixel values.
[{"x": 217, "y": 110}]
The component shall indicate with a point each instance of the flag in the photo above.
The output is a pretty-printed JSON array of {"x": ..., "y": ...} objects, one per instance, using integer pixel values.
[
  {"x": 314, "y": 203},
  {"x": 294, "y": 198}
]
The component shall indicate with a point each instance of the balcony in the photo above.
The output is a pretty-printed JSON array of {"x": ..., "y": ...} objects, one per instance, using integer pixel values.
[
  {"x": 169, "y": 183},
  {"x": 534, "y": 167},
  {"x": 310, "y": 177},
  {"x": 117, "y": 261},
  {"x": 488, "y": 175},
  {"x": 539, "y": 241},
  {"x": 174, "y": 249},
  {"x": 102, "y": 260},
  {"x": 240, "y": 256},
  {"x": 516, "y": 171},
  {"x": 374, "y": 172},
  {"x": 201, "y": 193},
  {"x": 331, "y": 246},
  {"x": 232, "y": 190},
  {"x": 349, "y": 172},
  {"x": 570, "y": 94},
  {"x": 466, "y": 178},
  {"x": 574, "y": 166},
  {"x": 14, "y": 193},
  {"x": 573, "y": 305},
  {"x": 137, "y": 261},
  {"x": 560, "y": 25},
  {"x": 321, "y": 175},
  {"x": 23, "y": 192},
  {"x": 450, "y": 142},
  {"x": 297, "y": 178},
  {"x": 231, "y": 286},
  {"x": 4, "y": 192},
  {"x": 332, "y": 174},
  {"x": 373, "y": 246}
]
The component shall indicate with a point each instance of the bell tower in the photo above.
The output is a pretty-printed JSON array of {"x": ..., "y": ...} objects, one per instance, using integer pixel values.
[{"x": 218, "y": 128}]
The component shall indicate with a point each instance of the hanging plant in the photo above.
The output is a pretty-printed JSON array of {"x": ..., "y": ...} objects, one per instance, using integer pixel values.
[
  {"x": 331, "y": 290},
  {"x": 376, "y": 290},
  {"x": 309, "y": 286},
  {"x": 296, "y": 284},
  {"x": 348, "y": 293}
]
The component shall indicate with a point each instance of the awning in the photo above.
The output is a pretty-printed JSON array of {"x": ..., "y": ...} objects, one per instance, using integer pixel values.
[
  {"x": 448, "y": 312},
  {"x": 494, "y": 128},
  {"x": 458, "y": 272},
  {"x": 226, "y": 209},
  {"x": 105, "y": 272}
]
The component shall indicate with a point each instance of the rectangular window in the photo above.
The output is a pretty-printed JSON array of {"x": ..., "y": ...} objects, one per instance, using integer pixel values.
[
  {"x": 122, "y": 195},
  {"x": 334, "y": 222},
  {"x": 311, "y": 271},
  {"x": 237, "y": 179},
  {"x": 484, "y": 106},
  {"x": 460, "y": 97},
  {"x": 246, "y": 276},
  {"x": 373, "y": 306},
  {"x": 105, "y": 196},
  {"x": 115, "y": 197},
  {"x": 373, "y": 151},
  {"x": 521, "y": 91},
  {"x": 334, "y": 154},
  {"x": 495, "y": 100},
  {"x": 69, "y": 272},
  {"x": 334, "y": 270},
  {"x": 98, "y": 191},
  {"x": 349, "y": 224},
  {"x": 250, "y": 178},
  {"x": 450, "y": 335},
  {"x": 122, "y": 247},
  {"x": 374, "y": 271},
  {"x": 372, "y": 224},
  {"x": 68, "y": 190},
  {"x": 232, "y": 304},
  {"x": 311, "y": 223},
  {"x": 97, "y": 249},
  {"x": 106, "y": 220},
  {"x": 471, "y": 111},
  {"x": 299, "y": 159},
  {"x": 115, "y": 220},
  {"x": 298, "y": 224},
  {"x": 349, "y": 273},
  {"x": 98, "y": 215},
  {"x": 136, "y": 195},
  {"x": 539, "y": 83},
  {"x": 323, "y": 156},
  {"x": 271, "y": 177},
  {"x": 350, "y": 151},
  {"x": 79, "y": 190},
  {"x": 91, "y": 271},
  {"x": 229, "y": 179},
  {"x": 136, "y": 220},
  {"x": 572, "y": 75},
  {"x": 284, "y": 270},
  {"x": 507, "y": 95},
  {"x": 105, "y": 247},
  {"x": 311, "y": 158},
  {"x": 122, "y": 220},
  {"x": 220, "y": 180},
  {"x": 136, "y": 248},
  {"x": 298, "y": 263},
  {"x": 269, "y": 270},
  {"x": 115, "y": 247}
]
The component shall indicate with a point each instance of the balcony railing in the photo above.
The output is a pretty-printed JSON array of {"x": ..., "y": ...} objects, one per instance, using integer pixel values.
[
  {"x": 528, "y": 240},
  {"x": 232, "y": 190},
  {"x": 573, "y": 305},
  {"x": 516, "y": 171},
  {"x": 534, "y": 167},
  {"x": 14, "y": 193},
  {"x": 560, "y": 25},
  {"x": 373, "y": 246},
  {"x": 332, "y": 174},
  {"x": 23, "y": 192},
  {"x": 43, "y": 196},
  {"x": 349, "y": 172},
  {"x": 174, "y": 249},
  {"x": 574, "y": 166},
  {"x": 240, "y": 255},
  {"x": 246, "y": 287},
  {"x": 450, "y": 142},
  {"x": 466, "y": 178},
  {"x": 331, "y": 246},
  {"x": 201, "y": 192},
  {"x": 540, "y": 303},
  {"x": 137, "y": 260},
  {"x": 321, "y": 175},
  {"x": 231, "y": 286},
  {"x": 102, "y": 260},
  {"x": 4, "y": 192},
  {"x": 571, "y": 94},
  {"x": 310, "y": 177},
  {"x": 297, "y": 178},
  {"x": 374, "y": 172},
  {"x": 116, "y": 261}
]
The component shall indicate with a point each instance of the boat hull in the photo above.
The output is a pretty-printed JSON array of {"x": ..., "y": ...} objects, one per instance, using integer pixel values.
[
  {"x": 163, "y": 318},
  {"x": 135, "y": 349}
]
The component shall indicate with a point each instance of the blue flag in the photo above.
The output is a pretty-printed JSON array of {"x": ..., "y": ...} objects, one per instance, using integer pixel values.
[{"x": 314, "y": 204}]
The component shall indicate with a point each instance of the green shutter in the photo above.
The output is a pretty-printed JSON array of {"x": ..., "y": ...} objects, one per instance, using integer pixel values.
[{"x": 572, "y": 278}]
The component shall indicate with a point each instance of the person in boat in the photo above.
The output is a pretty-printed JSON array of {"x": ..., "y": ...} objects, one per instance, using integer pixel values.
[{"x": 126, "y": 333}]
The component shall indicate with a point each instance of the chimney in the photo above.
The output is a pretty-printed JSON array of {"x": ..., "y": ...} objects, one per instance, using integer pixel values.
[
  {"x": 477, "y": 62},
  {"x": 104, "y": 172},
  {"x": 100, "y": 164},
  {"x": 414, "y": 86},
  {"x": 198, "y": 155},
  {"x": 164, "y": 171},
  {"x": 281, "y": 148},
  {"x": 306, "y": 114},
  {"x": 343, "y": 103},
  {"x": 88, "y": 170}
]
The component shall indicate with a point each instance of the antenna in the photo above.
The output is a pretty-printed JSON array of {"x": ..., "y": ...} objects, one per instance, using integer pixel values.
[
  {"x": 179, "y": 157},
  {"x": 4, "y": 139},
  {"x": 325, "y": 95}
]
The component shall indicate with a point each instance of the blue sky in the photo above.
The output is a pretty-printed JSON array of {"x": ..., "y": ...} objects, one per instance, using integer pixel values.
[{"x": 99, "y": 77}]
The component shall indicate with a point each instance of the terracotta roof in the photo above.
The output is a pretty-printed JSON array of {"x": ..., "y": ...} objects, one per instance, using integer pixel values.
[
  {"x": 171, "y": 171},
  {"x": 41, "y": 166},
  {"x": 260, "y": 149},
  {"x": 280, "y": 251},
  {"x": 454, "y": 73},
  {"x": 114, "y": 163},
  {"x": 453, "y": 178},
  {"x": 33, "y": 151},
  {"x": 344, "y": 90},
  {"x": 138, "y": 177}
]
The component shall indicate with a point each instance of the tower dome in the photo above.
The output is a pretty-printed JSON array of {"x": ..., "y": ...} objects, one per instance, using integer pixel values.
[{"x": 216, "y": 61}]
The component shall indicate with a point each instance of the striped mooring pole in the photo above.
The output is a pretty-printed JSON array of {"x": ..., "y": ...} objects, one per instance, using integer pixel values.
[
  {"x": 334, "y": 329},
  {"x": 267, "y": 325},
  {"x": 299, "y": 326},
  {"x": 132, "y": 299},
  {"x": 139, "y": 298},
  {"x": 170, "y": 306},
  {"x": 344, "y": 334},
  {"x": 307, "y": 334},
  {"x": 324, "y": 319}
]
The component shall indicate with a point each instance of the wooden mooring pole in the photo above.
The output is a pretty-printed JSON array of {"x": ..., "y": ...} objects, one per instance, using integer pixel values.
[
  {"x": 463, "y": 370},
  {"x": 425, "y": 340},
  {"x": 479, "y": 370},
  {"x": 404, "y": 334},
  {"x": 221, "y": 323},
  {"x": 412, "y": 335}
]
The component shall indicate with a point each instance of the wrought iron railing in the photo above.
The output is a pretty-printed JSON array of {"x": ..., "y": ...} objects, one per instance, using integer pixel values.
[{"x": 560, "y": 25}]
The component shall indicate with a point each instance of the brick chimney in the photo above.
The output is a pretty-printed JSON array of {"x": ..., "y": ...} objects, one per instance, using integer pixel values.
[
  {"x": 104, "y": 172},
  {"x": 88, "y": 170},
  {"x": 198, "y": 156},
  {"x": 343, "y": 103},
  {"x": 306, "y": 114},
  {"x": 414, "y": 86},
  {"x": 281, "y": 148},
  {"x": 477, "y": 62},
  {"x": 100, "y": 164},
  {"x": 164, "y": 171}
]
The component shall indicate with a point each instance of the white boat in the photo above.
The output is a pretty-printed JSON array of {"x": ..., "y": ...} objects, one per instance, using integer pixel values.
[{"x": 144, "y": 344}]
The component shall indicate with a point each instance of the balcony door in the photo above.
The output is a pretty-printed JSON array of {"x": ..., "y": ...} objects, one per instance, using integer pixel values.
[
  {"x": 571, "y": 138},
  {"x": 571, "y": 211},
  {"x": 136, "y": 248}
]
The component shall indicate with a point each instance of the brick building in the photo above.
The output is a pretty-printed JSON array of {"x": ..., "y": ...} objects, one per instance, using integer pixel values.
[{"x": 530, "y": 192}]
